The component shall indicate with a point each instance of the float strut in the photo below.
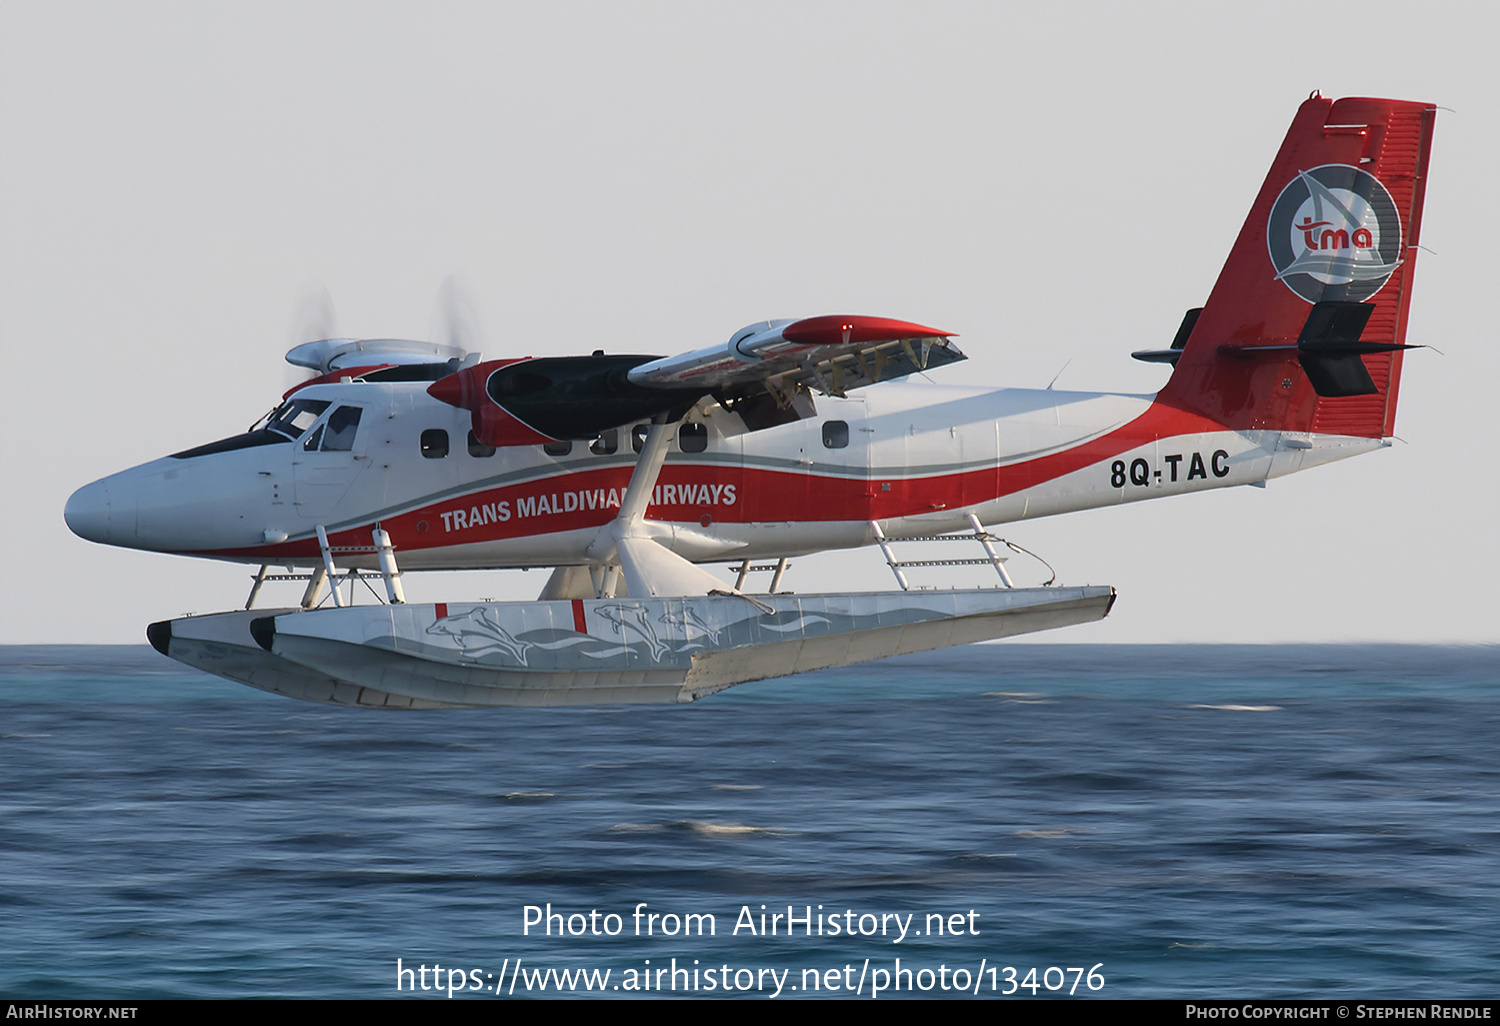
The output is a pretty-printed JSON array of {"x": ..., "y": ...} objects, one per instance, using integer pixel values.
[
  {"x": 776, "y": 578},
  {"x": 388, "y": 569},
  {"x": 314, "y": 593},
  {"x": 328, "y": 568},
  {"x": 260, "y": 578},
  {"x": 609, "y": 581},
  {"x": 885, "y": 547}
]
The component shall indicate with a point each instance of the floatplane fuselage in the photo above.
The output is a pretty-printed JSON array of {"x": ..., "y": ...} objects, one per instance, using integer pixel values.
[
  {"x": 915, "y": 459},
  {"x": 627, "y": 473}
]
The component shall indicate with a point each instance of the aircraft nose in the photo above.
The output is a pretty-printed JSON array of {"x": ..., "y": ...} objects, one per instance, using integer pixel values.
[{"x": 90, "y": 512}]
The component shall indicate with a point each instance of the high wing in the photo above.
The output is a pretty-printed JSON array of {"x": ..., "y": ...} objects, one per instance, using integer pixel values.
[
  {"x": 832, "y": 354},
  {"x": 376, "y": 359},
  {"x": 766, "y": 373},
  {"x": 328, "y": 355}
]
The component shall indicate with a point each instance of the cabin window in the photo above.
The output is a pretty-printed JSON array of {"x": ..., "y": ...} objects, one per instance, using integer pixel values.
[
  {"x": 434, "y": 443},
  {"x": 342, "y": 423},
  {"x": 606, "y": 444},
  {"x": 311, "y": 445},
  {"x": 835, "y": 434},
  {"x": 692, "y": 437},
  {"x": 562, "y": 448},
  {"x": 478, "y": 448},
  {"x": 638, "y": 436}
]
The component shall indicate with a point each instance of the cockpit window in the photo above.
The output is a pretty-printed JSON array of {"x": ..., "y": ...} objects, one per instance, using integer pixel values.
[
  {"x": 338, "y": 436},
  {"x": 296, "y": 416},
  {"x": 249, "y": 440},
  {"x": 284, "y": 424}
]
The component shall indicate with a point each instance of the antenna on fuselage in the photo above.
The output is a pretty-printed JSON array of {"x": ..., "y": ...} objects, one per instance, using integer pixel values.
[{"x": 1058, "y": 374}]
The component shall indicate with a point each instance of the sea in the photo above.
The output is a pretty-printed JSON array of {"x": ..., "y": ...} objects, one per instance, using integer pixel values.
[{"x": 998, "y": 821}]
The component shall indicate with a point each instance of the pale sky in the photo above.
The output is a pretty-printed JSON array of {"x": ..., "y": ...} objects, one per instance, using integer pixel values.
[{"x": 1056, "y": 183}]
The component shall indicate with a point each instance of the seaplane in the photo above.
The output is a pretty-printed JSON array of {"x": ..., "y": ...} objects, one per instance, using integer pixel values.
[{"x": 627, "y": 475}]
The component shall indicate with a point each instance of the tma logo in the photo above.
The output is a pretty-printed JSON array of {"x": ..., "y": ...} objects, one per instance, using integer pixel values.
[
  {"x": 1334, "y": 234},
  {"x": 1329, "y": 238}
]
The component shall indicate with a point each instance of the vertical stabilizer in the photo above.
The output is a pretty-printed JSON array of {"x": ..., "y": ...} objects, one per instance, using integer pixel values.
[{"x": 1305, "y": 328}]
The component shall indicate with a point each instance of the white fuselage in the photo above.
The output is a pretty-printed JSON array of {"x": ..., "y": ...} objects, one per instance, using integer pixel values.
[{"x": 916, "y": 458}]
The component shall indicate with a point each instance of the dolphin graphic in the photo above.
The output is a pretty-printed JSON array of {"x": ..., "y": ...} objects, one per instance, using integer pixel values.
[
  {"x": 478, "y": 633},
  {"x": 693, "y": 626},
  {"x": 636, "y": 619}
]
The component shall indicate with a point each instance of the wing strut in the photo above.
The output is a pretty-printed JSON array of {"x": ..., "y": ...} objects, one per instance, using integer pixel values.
[{"x": 651, "y": 570}]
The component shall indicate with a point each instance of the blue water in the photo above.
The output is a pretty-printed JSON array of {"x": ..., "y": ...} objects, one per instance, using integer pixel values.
[{"x": 1212, "y": 821}]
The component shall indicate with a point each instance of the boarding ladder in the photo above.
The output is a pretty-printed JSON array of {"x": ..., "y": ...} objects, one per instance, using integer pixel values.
[{"x": 986, "y": 540}]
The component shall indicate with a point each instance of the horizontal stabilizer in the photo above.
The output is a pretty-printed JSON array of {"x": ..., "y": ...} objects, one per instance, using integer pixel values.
[
  {"x": 1179, "y": 341},
  {"x": 1335, "y": 375},
  {"x": 1329, "y": 349},
  {"x": 1335, "y": 321}
]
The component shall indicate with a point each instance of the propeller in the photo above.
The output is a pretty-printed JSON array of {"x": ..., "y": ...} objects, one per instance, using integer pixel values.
[
  {"x": 317, "y": 345},
  {"x": 313, "y": 317},
  {"x": 455, "y": 318}
]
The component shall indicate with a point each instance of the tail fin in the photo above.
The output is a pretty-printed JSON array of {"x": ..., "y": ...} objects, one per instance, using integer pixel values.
[{"x": 1305, "y": 328}]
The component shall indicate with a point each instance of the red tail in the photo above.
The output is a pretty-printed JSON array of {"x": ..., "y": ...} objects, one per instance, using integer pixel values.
[{"x": 1304, "y": 329}]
